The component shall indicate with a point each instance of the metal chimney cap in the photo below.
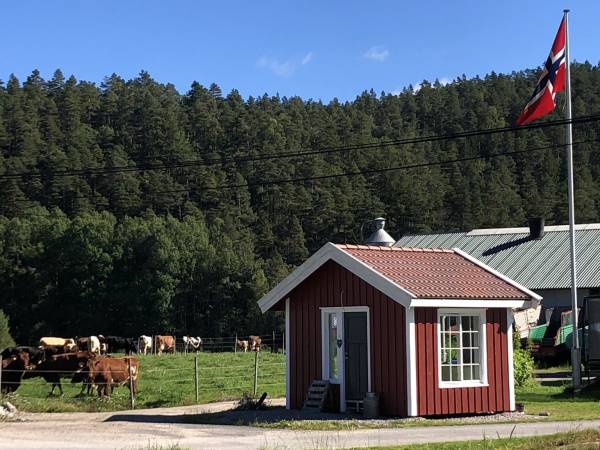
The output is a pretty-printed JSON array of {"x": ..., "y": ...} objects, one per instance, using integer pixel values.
[{"x": 380, "y": 237}]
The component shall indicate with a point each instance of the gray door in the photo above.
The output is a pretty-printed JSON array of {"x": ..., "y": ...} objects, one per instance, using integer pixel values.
[{"x": 356, "y": 355}]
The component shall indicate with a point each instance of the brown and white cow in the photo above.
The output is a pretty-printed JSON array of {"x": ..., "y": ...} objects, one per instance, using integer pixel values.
[
  {"x": 107, "y": 373},
  {"x": 242, "y": 345},
  {"x": 144, "y": 344},
  {"x": 164, "y": 344},
  {"x": 255, "y": 342}
]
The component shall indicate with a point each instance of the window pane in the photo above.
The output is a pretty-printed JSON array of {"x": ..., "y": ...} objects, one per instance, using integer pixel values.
[
  {"x": 455, "y": 373},
  {"x": 475, "y": 321},
  {"x": 474, "y": 339},
  {"x": 467, "y": 339},
  {"x": 467, "y": 357},
  {"x": 453, "y": 324},
  {"x": 467, "y": 373},
  {"x": 475, "y": 356},
  {"x": 466, "y": 323},
  {"x": 454, "y": 353},
  {"x": 445, "y": 323},
  {"x": 445, "y": 373},
  {"x": 476, "y": 372},
  {"x": 445, "y": 357},
  {"x": 454, "y": 340},
  {"x": 333, "y": 349}
]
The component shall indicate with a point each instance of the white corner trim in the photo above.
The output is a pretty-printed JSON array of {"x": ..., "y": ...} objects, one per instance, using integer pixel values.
[
  {"x": 288, "y": 381},
  {"x": 466, "y": 303},
  {"x": 511, "y": 369},
  {"x": 411, "y": 363},
  {"x": 346, "y": 260},
  {"x": 498, "y": 274}
]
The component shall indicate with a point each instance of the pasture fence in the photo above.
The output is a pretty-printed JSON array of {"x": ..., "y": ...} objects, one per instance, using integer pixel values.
[
  {"x": 162, "y": 381},
  {"x": 274, "y": 343}
]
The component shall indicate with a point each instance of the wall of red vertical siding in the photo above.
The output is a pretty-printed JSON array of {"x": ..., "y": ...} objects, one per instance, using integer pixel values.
[
  {"x": 435, "y": 401},
  {"x": 331, "y": 286}
]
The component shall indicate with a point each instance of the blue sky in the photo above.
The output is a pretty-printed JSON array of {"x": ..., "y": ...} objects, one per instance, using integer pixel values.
[{"x": 314, "y": 49}]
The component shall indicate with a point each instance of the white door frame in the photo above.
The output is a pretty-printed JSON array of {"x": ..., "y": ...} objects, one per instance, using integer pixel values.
[{"x": 341, "y": 351}]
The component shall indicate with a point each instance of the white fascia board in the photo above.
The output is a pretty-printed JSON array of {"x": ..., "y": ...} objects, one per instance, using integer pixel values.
[
  {"x": 503, "y": 277},
  {"x": 466, "y": 303},
  {"x": 344, "y": 259},
  {"x": 295, "y": 278}
]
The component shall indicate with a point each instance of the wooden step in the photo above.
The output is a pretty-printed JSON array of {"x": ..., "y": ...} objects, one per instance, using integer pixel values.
[{"x": 317, "y": 396}]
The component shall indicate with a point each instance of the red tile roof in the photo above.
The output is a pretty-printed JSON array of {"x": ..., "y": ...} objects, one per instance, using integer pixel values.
[{"x": 435, "y": 273}]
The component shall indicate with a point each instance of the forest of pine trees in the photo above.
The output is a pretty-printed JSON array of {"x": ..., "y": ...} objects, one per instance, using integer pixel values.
[{"x": 131, "y": 208}]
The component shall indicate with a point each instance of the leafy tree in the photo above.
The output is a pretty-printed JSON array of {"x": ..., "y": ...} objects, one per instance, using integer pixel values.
[{"x": 5, "y": 339}]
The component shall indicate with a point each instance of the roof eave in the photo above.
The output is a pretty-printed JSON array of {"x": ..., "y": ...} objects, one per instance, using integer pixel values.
[{"x": 469, "y": 303}]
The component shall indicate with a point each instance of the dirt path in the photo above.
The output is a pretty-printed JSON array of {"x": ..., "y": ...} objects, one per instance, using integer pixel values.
[{"x": 133, "y": 430}]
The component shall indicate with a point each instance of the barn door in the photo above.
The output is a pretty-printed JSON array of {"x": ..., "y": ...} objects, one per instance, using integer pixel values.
[{"x": 356, "y": 355}]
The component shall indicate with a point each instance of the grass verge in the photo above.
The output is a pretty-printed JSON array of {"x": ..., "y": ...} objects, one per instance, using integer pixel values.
[{"x": 580, "y": 440}]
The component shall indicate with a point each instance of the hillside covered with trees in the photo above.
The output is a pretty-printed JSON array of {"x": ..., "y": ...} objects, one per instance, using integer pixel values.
[{"x": 131, "y": 208}]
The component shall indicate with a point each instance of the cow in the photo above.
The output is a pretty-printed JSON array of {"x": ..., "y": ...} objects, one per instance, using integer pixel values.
[
  {"x": 107, "y": 373},
  {"x": 242, "y": 345},
  {"x": 55, "y": 367},
  {"x": 116, "y": 343},
  {"x": 66, "y": 343},
  {"x": 193, "y": 342},
  {"x": 36, "y": 354},
  {"x": 144, "y": 344},
  {"x": 94, "y": 345},
  {"x": 164, "y": 344},
  {"x": 255, "y": 342},
  {"x": 13, "y": 369},
  {"x": 103, "y": 345}
]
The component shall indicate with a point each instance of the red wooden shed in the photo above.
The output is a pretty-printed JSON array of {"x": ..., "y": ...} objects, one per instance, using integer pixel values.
[{"x": 428, "y": 330}]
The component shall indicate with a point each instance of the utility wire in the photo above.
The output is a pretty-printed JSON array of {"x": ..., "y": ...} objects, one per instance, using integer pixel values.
[
  {"x": 333, "y": 176},
  {"x": 299, "y": 153}
]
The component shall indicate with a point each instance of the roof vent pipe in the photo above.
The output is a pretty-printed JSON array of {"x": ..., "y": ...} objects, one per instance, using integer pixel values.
[
  {"x": 536, "y": 227},
  {"x": 380, "y": 237}
]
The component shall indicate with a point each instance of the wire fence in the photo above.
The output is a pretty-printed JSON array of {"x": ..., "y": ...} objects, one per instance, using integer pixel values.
[
  {"x": 160, "y": 381},
  {"x": 274, "y": 343}
]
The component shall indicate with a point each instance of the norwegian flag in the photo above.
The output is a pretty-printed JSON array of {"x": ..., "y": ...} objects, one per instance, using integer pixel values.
[{"x": 552, "y": 80}]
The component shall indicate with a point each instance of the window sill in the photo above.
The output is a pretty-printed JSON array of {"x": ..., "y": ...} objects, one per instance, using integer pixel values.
[{"x": 462, "y": 384}]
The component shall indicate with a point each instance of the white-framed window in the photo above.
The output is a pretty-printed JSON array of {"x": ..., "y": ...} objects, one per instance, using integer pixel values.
[{"x": 461, "y": 348}]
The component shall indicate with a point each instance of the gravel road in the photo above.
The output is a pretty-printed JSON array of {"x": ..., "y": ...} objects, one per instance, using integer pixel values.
[{"x": 139, "y": 429}]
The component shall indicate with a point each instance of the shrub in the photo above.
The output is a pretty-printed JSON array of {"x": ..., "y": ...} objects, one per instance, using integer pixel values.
[
  {"x": 523, "y": 363},
  {"x": 5, "y": 339}
]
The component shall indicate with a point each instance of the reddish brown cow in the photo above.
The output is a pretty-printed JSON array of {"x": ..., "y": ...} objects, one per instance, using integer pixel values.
[
  {"x": 164, "y": 344},
  {"x": 107, "y": 373}
]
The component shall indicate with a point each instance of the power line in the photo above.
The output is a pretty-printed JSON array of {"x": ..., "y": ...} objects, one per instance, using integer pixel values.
[
  {"x": 338, "y": 175},
  {"x": 299, "y": 153}
]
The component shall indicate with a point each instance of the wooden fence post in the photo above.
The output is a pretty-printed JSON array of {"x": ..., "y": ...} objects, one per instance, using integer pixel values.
[
  {"x": 283, "y": 342},
  {"x": 235, "y": 344},
  {"x": 131, "y": 393},
  {"x": 0, "y": 375},
  {"x": 255, "y": 372},
  {"x": 273, "y": 343},
  {"x": 196, "y": 377}
]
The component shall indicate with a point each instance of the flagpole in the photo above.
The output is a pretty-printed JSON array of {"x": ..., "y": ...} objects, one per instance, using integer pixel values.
[{"x": 575, "y": 350}]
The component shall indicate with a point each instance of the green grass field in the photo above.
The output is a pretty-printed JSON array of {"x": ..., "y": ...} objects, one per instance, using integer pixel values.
[
  {"x": 167, "y": 380},
  {"x": 581, "y": 440}
]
